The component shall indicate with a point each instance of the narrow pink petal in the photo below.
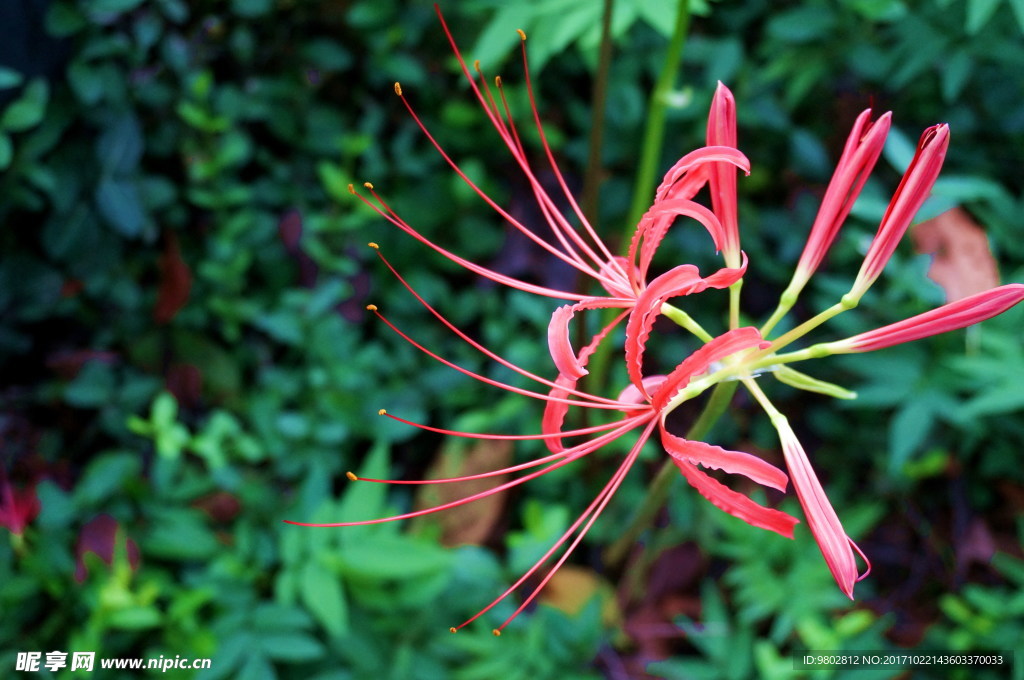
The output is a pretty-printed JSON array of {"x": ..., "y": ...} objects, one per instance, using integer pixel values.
[
  {"x": 655, "y": 224},
  {"x": 715, "y": 349},
  {"x": 828, "y": 531},
  {"x": 722, "y": 180},
  {"x": 863, "y": 147},
  {"x": 559, "y": 344},
  {"x": 736, "y": 504},
  {"x": 726, "y": 276},
  {"x": 558, "y": 406},
  {"x": 690, "y": 173},
  {"x": 555, "y": 411},
  {"x": 681, "y": 280},
  {"x": 733, "y": 462},
  {"x": 910, "y": 195},
  {"x": 949, "y": 317},
  {"x": 632, "y": 395}
]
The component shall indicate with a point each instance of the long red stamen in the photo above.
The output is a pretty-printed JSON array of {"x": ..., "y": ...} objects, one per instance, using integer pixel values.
[
  {"x": 593, "y": 511},
  {"x": 580, "y": 451},
  {"x": 554, "y": 165},
  {"x": 476, "y": 345},
  {"x": 489, "y": 381},
  {"x": 387, "y": 213},
  {"x": 497, "y": 123},
  {"x": 620, "y": 428},
  {"x": 569, "y": 259},
  {"x": 593, "y": 429}
]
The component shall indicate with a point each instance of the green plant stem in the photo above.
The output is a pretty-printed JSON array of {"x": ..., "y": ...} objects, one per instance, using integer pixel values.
[
  {"x": 734, "y": 304},
  {"x": 650, "y": 156},
  {"x": 598, "y": 102},
  {"x": 686, "y": 321},
  {"x": 592, "y": 182},
  {"x": 717, "y": 405},
  {"x": 654, "y": 132}
]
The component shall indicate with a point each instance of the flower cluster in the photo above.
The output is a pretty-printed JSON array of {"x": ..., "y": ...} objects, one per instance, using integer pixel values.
[{"x": 639, "y": 300}]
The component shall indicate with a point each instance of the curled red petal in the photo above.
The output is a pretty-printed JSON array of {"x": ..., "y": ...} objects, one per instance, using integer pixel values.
[
  {"x": 733, "y": 462},
  {"x": 655, "y": 224},
  {"x": 690, "y": 173},
  {"x": 683, "y": 279},
  {"x": 555, "y": 410},
  {"x": 717, "y": 348},
  {"x": 559, "y": 343},
  {"x": 736, "y": 504}
]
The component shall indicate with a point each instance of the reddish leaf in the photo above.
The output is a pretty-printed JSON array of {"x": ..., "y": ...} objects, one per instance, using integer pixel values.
[
  {"x": 175, "y": 281},
  {"x": 962, "y": 260}
]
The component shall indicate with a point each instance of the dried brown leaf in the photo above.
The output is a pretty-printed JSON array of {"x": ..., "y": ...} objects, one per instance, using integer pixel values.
[
  {"x": 962, "y": 259},
  {"x": 472, "y": 522}
]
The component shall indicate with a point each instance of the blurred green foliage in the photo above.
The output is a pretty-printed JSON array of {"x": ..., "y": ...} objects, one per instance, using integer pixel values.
[{"x": 184, "y": 346}]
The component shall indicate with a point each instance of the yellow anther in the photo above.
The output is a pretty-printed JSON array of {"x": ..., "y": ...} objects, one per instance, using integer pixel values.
[
  {"x": 368, "y": 186},
  {"x": 522, "y": 34},
  {"x": 497, "y": 633},
  {"x": 351, "y": 189},
  {"x": 352, "y": 476},
  {"x": 398, "y": 89},
  {"x": 476, "y": 65},
  {"x": 371, "y": 308},
  {"x": 382, "y": 412},
  {"x": 497, "y": 81},
  {"x": 453, "y": 629},
  {"x": 373, "y": 245}
]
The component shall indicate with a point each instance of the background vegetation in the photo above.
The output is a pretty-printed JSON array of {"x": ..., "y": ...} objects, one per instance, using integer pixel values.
[{"x": 186, "y": 360}]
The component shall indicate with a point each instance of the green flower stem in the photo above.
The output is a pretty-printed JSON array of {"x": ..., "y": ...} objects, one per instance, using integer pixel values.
[
  {"x": 822, "y": 349},
  {"x": 654, "y": 132},
  {"x": 734, "y": 304},
  {"x": 806, "y": 327},
  {"x": 650, "y": 157},
  {"x": 655, "y": 499},
  {"x": 786, "y": 302},
  {"x": 686, "y": 321},
  {"x": 762, "y": 399}
]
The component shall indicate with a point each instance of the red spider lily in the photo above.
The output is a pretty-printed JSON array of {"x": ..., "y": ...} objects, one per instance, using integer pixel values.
[
  {"x": 835, "y": 545},
  {"x": 863, "y": 147},
  {"x": 739, "y": 354},
  {"x": 722, "y": 132},
  {"x": 18, "y": 507},
  {"x": 624, "y": 278},
  {"x": 949, "y": 317},
  {"x": 639, "y": 411},
  {"x": 906, "y": 201}
]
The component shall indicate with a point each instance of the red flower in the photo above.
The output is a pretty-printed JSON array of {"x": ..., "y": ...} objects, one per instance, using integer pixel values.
[
  {"x": 950, "y": 317},
  {"x": 18, "y": 507}
]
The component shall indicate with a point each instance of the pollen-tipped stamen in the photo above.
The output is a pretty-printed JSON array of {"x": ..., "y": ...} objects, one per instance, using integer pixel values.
[
  {"x": 486, "y": 352},
  {"x": 577, "y": 452},
  {"x": 592, "y": 512}
]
